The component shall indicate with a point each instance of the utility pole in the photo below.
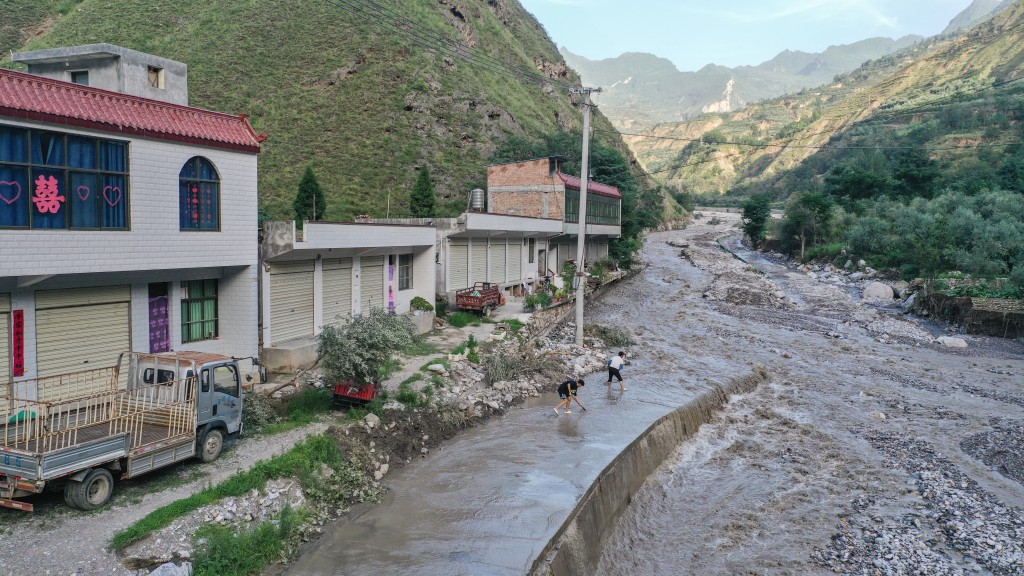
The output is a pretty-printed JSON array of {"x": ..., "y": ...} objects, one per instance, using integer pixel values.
[{"x": 581, "y": 275}]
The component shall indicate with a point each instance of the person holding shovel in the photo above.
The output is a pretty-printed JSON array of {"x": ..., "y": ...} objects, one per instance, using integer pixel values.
[{"x": 567, "y": 392}]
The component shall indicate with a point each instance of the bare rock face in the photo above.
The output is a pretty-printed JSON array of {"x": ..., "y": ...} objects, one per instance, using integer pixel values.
[{"x": 876, "y": 291}]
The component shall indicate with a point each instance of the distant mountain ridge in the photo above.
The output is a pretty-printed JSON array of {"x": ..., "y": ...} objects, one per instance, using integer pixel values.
[
  {"x": 977, "y": 12},
  {"x": 642, "y": 90}
]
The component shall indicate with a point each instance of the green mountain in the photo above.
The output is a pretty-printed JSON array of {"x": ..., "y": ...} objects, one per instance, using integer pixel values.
[
  {"x": 956, "y": 98},
  {"x": 364, "y": 92}
]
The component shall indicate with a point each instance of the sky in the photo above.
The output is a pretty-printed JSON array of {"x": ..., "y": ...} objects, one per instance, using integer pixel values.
[{"x": 694, "y": 33}]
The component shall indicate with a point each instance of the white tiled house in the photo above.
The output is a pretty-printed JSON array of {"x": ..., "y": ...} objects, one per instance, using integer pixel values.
[{"x": 126, "y": 223}]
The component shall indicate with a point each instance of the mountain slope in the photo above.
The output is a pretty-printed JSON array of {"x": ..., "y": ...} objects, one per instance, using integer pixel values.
[
  {"x": 958, "y": 102},
  {"x": 354, "y": 97}
]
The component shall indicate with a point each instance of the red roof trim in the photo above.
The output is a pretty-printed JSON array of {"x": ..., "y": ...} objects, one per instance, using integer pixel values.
[
  {"x": 43, "y": 99},
  {"x": 574, "y": 183}
]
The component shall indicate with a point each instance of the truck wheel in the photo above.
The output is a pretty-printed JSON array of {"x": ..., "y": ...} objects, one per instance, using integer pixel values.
[
  {"x": 212, "y": 444},
  {"x": 487, "y": 311},
  {"x": 92, "y": 492}
]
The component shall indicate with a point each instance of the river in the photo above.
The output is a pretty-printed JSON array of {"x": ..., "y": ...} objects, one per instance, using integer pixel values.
[{"x": 862, "y": 412}]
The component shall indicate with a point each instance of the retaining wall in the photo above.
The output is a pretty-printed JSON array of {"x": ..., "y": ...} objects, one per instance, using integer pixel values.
[{"x": 576, "y": 548}]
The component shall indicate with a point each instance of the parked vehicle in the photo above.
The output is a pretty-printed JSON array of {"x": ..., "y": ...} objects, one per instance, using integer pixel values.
[
  {"x": 482, "y": 297},
  {"x": 84, "y": 428}
]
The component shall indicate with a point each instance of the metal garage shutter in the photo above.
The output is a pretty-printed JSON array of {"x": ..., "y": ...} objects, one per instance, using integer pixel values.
[
  {"x": 5, "y": 339},
  {"x": 478, "y": 266},
  {"x": 372, "y": 285},
  {"x": 458, "y": 264},
  {"x": 291, "y": 300},
  {"x": 81, "y": 329},
  {"x": 515, "y": 259},
  {"x": 337, "y": 290},
  {"x": 497, "y": 262}
]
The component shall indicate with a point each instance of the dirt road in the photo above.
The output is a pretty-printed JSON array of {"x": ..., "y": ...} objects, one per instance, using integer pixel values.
[{"x": 875, "y": 450}]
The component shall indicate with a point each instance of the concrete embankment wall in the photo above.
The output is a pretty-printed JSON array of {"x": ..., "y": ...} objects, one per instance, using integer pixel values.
[{"x": 576, "y": 548}]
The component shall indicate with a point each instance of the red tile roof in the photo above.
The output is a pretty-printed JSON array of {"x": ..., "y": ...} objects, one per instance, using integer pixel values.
[
  {"x": 574, "y": 183},
  {"x": 37, "y": 98}
]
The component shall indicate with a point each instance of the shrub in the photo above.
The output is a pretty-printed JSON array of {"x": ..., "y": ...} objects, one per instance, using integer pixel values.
[
  {"x": 420, "y": 303},
  {"x": 502, "y": 367},
  {"x": 441, "y": 306},
  {"x": 361, "y": 349},
  {"x": 610, "y": 335}
]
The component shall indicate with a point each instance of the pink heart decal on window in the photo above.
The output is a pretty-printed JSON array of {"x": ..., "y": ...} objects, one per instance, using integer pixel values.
[
  {"x": 112, "y": 194},
  {"x": 83, "y": 193},
  {"x": 15, "y": 189}
]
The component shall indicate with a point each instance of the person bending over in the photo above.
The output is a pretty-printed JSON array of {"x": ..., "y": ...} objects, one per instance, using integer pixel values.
[{"x": 567, "y": 392}]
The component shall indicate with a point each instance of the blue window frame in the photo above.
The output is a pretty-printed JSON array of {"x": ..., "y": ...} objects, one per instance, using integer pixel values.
[
  {"x": 199, "y": 195},
  {"x": 51, "y": 180}
]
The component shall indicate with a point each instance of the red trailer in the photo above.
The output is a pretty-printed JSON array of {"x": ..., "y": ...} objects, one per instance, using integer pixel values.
[
  {"x": 482, "y": 297},
  {"x": 348, "y": 394}
]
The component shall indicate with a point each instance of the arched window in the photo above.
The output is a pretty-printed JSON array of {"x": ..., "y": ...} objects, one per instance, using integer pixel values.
[{"x": 199, "y": 195}]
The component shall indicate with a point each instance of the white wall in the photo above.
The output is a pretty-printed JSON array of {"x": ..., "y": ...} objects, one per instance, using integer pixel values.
[{"x": 155, "y": 240}]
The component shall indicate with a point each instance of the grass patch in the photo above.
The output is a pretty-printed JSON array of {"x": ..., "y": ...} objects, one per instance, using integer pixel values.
[
  {"x": 462, "y": 319},
  {"x": 220, "y": 551},
  {"x": 514, "y": 325},
  {"x": 414, "y": 378},
  {"x": 301, "y": 409},
  {"x": 420, "y": 347},
  {"x": 408, "y": 396},
  {"x": 304, "y": 456},
  {"x": 441, "y": 361}
]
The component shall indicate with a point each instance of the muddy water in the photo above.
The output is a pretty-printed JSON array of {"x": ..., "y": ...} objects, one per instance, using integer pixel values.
[
  {"x": 763, "y": 489},
  {"x": 830, "y": 468},
  {"x": 491, "y": 499}
]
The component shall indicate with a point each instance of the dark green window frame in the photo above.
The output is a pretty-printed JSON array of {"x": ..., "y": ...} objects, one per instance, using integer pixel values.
[{"x": 199, "y": 311}]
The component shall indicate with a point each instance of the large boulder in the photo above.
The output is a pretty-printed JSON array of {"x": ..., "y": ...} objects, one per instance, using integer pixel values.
[
  {"x": 876, "y": 291},
  {"x": 950, "y": 342}
]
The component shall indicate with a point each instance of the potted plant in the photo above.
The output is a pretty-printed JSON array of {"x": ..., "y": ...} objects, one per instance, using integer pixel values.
[
  {"x": 530, "y": 302},
  {"x": 419, "y": 305}
]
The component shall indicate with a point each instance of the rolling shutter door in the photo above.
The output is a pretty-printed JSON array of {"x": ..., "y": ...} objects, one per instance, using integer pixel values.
[
  {"x": 291, "y": 300},
  {"x": 458, "y": 264},
  {"x": 337, "y": 290},
  {"x": 5, "y": 338},
  {"x": 515, "y": 260},
  {"x": 497, "y": 262},
  {"x": 478, "y": 267},
  {"x": 81, "y": 329},
  {"x": 372, "y": 285}
]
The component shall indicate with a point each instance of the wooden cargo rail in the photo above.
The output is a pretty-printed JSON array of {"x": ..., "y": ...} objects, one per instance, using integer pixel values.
[{"x": 147, "y": 414}]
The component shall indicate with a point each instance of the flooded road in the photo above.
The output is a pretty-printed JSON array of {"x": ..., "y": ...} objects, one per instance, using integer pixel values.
[{"x": 849, "y": 461}]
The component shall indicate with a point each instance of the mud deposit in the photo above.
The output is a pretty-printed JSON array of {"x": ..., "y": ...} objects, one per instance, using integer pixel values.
[{"x": 874, "y": 450}]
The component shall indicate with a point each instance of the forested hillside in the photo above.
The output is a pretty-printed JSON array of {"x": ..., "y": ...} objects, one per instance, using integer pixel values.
[
  {"x": 364, "y": 92},
  {"x": 920, "y": 170}
]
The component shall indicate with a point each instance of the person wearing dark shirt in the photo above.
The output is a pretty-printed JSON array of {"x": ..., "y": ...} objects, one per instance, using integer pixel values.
[{"x": 567, "y": 392}]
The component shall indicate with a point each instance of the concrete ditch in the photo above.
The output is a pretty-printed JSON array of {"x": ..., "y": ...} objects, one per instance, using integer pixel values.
[{"x": 576, "y": 548}]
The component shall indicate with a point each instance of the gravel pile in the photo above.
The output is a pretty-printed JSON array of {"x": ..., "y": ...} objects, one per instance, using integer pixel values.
[{"x": 1002, "y": 448}]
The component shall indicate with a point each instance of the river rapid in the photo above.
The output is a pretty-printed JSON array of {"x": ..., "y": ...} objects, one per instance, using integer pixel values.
[{"x": 871, "y": 450}]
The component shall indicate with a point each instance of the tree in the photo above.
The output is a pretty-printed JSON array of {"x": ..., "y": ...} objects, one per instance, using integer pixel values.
[
  {"x": 807, "y": 214},
  {"x": 421, "y": 201},
  {"x": 756, "y": 211},
  {"x": 310, "y": 203},
  {"x": 360, "y": 349}
]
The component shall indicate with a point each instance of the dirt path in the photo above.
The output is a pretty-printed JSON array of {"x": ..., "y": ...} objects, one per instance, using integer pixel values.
[{"x": 59, "y": 540}]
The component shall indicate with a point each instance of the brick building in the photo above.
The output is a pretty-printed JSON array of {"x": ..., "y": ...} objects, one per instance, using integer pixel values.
[
  {"x": 537, "y": 188},
  {"x": 126, "y": 222}
]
